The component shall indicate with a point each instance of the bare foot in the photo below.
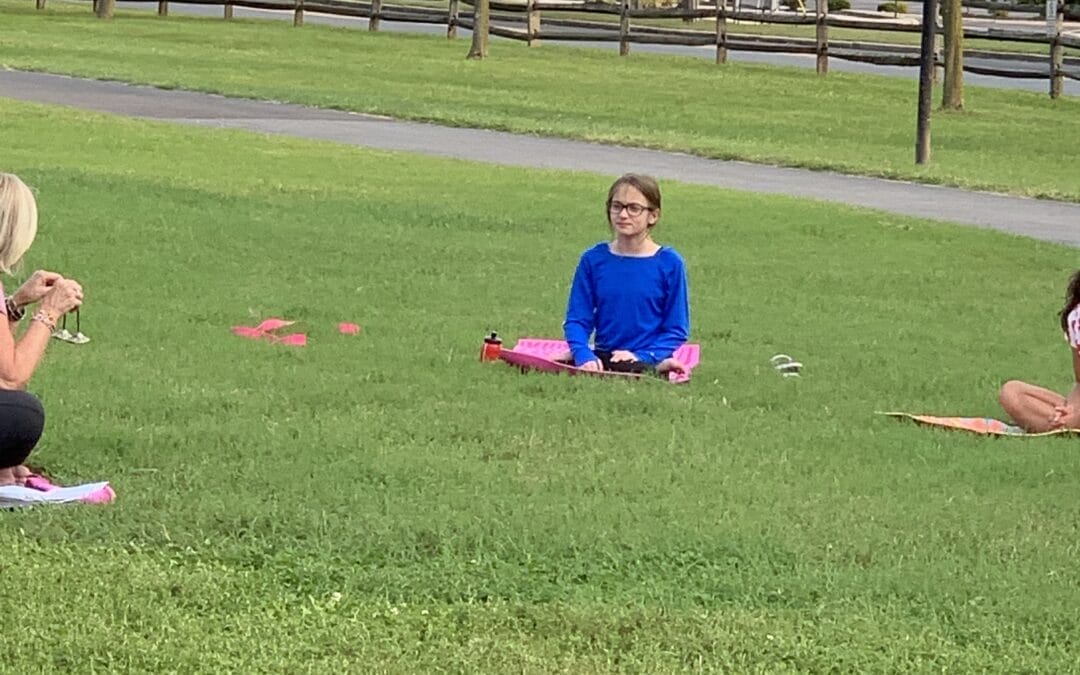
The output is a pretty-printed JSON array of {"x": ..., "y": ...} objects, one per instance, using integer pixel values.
[
  {"x": 7, "y": 477},
  {"x": 21, "y": 473}
]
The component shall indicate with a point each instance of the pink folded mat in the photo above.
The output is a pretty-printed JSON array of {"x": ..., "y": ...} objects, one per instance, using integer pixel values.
[{"x": 540, "y": 354}]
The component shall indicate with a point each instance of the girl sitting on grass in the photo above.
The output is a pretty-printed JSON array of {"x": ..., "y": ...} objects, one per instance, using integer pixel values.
[
  {"x": 630, "y": 291},
  {"x": 1037, "y": 409},
  {"x": 22, "y": 417}
]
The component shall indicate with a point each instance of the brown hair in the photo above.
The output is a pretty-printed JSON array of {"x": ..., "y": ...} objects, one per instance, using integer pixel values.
[
  {"x": 646, "y": 185},
  {"x": 1072, "y": 299}
]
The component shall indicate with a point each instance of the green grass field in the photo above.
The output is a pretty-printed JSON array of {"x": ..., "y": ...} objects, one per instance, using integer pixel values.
[
  {"x": 852, "y": 123},
  {"x": 385, "y": 503}
]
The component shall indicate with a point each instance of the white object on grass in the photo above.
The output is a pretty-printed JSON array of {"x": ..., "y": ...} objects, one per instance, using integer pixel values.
[
  {"x": 785, "y": 365},
  {"x": 17, "y": 495}
]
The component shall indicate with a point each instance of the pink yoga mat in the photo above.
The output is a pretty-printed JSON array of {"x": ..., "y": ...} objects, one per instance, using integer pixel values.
[
  {"x": 528, "y": 361},
  {"x": 540, "y": 354}
]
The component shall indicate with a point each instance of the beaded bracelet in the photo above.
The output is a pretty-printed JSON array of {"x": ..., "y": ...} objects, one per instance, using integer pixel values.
[
  {"x": 14, "y": 312},
  {"x": 41, "y": 316}
]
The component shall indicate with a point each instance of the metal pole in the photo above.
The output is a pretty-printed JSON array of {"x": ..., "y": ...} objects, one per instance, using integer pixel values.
[{"x": 926, "y": 81}]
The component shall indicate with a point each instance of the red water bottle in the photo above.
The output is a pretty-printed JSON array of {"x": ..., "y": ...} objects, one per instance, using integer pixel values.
[{"x": 492, "y": 347}]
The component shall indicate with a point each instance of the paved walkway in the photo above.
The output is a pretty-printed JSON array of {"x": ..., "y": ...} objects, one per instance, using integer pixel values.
[{"x": 1040, "y": 219}]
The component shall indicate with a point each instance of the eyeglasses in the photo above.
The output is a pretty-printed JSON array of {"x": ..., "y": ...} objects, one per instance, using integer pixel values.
[{"x": 634, "y": 210}]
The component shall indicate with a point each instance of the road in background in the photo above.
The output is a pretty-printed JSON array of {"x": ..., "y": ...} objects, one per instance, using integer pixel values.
[{"x": 1040, "y": 219}]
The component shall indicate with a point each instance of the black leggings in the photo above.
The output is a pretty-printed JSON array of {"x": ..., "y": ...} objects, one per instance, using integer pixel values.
[
  {"x": 636, "y": 367},
  {"x": 22, "y": 419}
]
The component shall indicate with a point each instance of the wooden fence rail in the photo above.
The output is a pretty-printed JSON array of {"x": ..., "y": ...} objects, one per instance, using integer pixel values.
[
  {"x": 1072, "y": 12},
  {"x": 533, "y": 29}
]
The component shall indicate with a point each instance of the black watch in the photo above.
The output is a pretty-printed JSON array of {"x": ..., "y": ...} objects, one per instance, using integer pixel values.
[{"x": 14, "y": 312}]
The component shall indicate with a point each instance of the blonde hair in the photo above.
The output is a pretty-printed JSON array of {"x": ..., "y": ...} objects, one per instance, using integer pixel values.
[{"x": 18, "y": 221}]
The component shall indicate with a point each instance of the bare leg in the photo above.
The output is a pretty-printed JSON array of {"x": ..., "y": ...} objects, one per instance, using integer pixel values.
[
  {"x": 7, "y": 477},
  {"x": 1030, "y": 406}
]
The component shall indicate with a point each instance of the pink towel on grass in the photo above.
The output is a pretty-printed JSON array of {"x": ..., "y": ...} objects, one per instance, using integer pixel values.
[
  {"x": 266, "y": 331},
  {"x": 540, "y": 354}
]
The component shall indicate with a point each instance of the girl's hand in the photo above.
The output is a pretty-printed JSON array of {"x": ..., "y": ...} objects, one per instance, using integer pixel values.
[
  {"x": 620, "y": 355},
  {"x": 64, "y": 296},
  {"x": 670, "y": 364},
  {"x": 1065, "y": 417},
  {"x": 35, "y": 288},
  {"x": 592, "y": 366}
]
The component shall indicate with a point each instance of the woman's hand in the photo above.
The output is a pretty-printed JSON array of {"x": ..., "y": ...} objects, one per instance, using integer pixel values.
[
  {"x": 64, "y": 296},
  {"x": 592, "y": 366},
  {"x": 35, "y": 288},
  {"x": 620, "y": 355}
]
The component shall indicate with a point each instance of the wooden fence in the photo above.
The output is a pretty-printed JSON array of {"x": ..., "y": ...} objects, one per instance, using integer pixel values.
[{"x": 522, "y": 21}]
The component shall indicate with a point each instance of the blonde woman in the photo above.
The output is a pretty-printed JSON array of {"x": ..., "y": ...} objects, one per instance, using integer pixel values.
[{"x": 22, "y": 417}]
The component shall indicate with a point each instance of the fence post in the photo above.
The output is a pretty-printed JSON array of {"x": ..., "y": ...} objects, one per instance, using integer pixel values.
[
  {"x": 721, "y": 31},
  {"x": 376, "y": 15},
  {"x": 39, "y": 4},
  {"x": 1056, "y": 52},
  {"x": 821, "y": 8},
  {"x": 452, "y": 21},
  {"x": 228, "y": 11},
  {"x": 939, "y": 50},
  {"x": 532, "y": 23},
  {"x": 298, "y": 14},
  {"x": 624, "y": 28},
  {"x": 163, "y": 8},
  {"x": 689, "y": 6}
]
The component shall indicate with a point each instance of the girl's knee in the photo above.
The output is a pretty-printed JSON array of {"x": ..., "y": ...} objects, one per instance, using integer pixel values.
[{"x": 1010, "y": 392}]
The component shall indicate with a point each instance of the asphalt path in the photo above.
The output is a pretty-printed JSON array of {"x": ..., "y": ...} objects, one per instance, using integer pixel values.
[
  {"x": 1040, "y": 219},
  {"x": 1070, "y": 87}
]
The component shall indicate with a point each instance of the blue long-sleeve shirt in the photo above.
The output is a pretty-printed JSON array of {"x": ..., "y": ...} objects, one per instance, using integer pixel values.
[{"x": 637, "y": 304}]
